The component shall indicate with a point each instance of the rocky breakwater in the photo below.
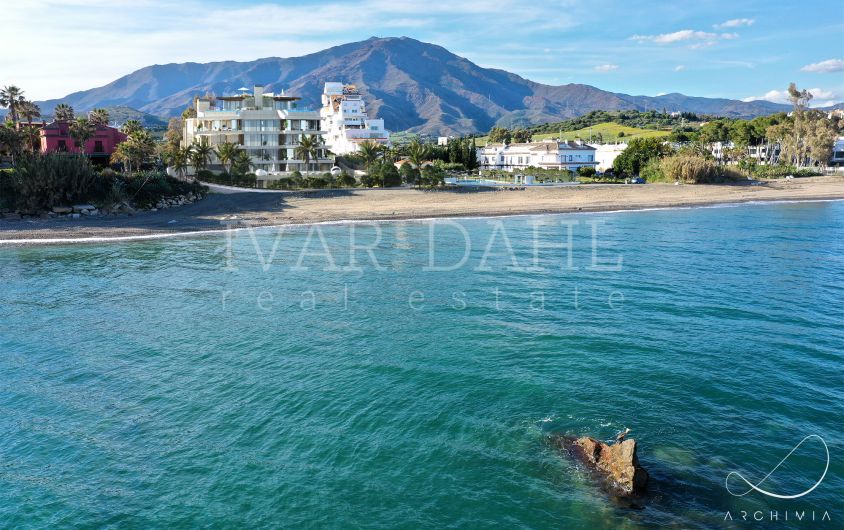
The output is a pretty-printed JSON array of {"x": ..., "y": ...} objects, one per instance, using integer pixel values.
[
  {"x": 616, "y": 465},
  {"x": 78, "y": 211}
]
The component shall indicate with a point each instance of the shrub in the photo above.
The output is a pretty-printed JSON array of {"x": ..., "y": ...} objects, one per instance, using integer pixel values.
[
  {"x": 205, "y": 174},
  {"x": 409, "y": 174},
  {"x": 695, "y": 170},
  {"x": 390, "y": 177},
  {"x": 346, "y": 180},
  {"x": 369, "y": 181},
  {"x": 147, "y": 188},
  {"x": 316, "y": 182},
  {"x": 779, "y": 171},
  {"x": 652, "y": 171},
  {"x": 586, "y": 171},
  {"x": 45, "y": 181}
]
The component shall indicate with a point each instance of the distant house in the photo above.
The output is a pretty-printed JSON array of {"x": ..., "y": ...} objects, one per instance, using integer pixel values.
[
  {"x": 547, "y": 154},
  {"x": 56, "y": 138},
  {"x": 605, "y": 155}
]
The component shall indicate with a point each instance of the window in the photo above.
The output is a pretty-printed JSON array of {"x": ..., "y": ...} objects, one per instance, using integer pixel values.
[
  {"x": 62, "y": 146},
  {"x": 98, "y": 146}
]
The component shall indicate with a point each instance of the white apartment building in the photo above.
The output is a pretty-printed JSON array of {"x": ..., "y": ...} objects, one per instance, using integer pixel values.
[
  {"x": 345, "y": 121},
  {"x": 267, "y": 126},
  {"x": 547, "y": 154}
]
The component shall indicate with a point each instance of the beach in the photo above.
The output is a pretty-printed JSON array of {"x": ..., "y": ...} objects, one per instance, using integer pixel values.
[{"x": 219, "y": 210}]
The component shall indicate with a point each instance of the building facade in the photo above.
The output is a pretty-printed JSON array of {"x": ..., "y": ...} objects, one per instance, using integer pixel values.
[
  {"x": 547, "y": 154},
  {"x": 605, "y": 155},
  {"x": 345, "y": 121},
  {"x": 56, "y": 138},
  {"x": 267, "y": 126}
]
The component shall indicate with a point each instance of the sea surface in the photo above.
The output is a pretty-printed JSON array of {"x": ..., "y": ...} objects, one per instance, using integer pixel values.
[{"x": 411, "y": 374}]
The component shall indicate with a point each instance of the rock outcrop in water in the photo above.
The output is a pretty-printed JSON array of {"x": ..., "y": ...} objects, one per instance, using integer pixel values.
[{"x": 617, "y": 464}]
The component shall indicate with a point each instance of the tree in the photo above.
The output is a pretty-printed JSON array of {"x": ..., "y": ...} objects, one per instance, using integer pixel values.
[
  {"x": 472, "y": 157},
  {"x": 637, "y": 154},
  {"x": 81, "y": 130},
  {"x": 173, "y": 136},
  {"x": 32, "y": 137},
  {"x": 63, "y": 113},
  {"x": 308, "y": 148},
  {"x": 409, "y": 173},
  {"x": 12, "y": 141},
  {"x": 29, "y": 111},
  {"x": 808, "y": 138},
  {"x": 242, "y": 163},
  {"x": 99, "y": 117},
  {"x": 180, "y": 160},
  {"x": 12, "y": 98},
  {"x": 138, "y": 147},
  {"x": 586, "y": 171},
  {"x": 522, "y": 136},
  {"x": 226, "y": 152},
  {"x": 500, "y": 135},
  {"x": 188, "y": 113},
  {"x": 369, "y": 153},
  {"x": 200, "y": 154},
  {"x": 131, "y": 126},
  {"x": 417, "y": 153}
]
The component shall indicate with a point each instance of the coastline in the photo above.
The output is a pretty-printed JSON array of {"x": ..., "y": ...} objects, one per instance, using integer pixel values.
[{"x": 217, "y": 211}]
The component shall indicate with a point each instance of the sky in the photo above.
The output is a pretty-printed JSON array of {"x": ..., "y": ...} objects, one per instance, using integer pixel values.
[{"x": 712, "y": 48}]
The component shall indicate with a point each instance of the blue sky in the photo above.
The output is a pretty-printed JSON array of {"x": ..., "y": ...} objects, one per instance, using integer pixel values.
[{"x": 741, "y": 50}]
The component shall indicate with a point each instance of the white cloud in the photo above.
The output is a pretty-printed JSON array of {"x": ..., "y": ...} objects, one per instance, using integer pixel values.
[
  {"x": 828, "y": 66},
  {"x": 679, "y": 68},
  {"x": 735, "y": 23},
  {"x": 79, "y": 44},
  {"x": 698, "y": 38},
  {"x": 820, "y": 97},
  {"x": 606, "y": 67}
]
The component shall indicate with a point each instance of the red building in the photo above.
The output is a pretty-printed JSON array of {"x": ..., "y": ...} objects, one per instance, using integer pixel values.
[{"x": 55, "y": 137}]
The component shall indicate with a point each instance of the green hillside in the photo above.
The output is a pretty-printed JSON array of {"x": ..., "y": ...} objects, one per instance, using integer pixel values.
[{"x": 604, "y": 132}]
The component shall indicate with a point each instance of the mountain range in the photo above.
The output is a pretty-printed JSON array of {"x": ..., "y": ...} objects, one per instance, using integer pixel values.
[{"x": 412, "y": 85}]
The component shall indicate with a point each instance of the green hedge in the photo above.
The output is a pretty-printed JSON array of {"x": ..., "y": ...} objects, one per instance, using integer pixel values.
[{"x": 40, "y": 182}]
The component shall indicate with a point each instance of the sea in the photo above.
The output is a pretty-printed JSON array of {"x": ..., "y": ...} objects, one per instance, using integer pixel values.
[{"x": 415, "y": 374}]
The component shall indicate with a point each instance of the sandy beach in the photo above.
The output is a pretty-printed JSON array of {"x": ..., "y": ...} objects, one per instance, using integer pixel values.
[{"x": 262, "y": 209}]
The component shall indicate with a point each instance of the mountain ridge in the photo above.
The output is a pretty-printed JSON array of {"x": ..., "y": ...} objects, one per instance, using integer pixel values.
[{"x": 412, "y": 85}]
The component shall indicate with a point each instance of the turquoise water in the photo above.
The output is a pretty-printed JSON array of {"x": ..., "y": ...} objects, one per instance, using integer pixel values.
[{"x": 179, "y": 383}]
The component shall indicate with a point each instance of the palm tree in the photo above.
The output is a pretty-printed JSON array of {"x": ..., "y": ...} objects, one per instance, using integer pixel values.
[
  {"x": 417, "y": 153},
  {"x": 63, "y": 112},
  {"x": 226, "y": 153},
  {"x": 180, "y": 159},
  {"x": 131, "y": 126},
  {"x": 99, "y": 117},
  {"x": 308, "y": 148},
  {"x": 11, "y": 97},
  {"x": 29, "y": 111},
  {"x": 81, "y": 131},
  {"x": 242, "y": 161},
  {"x": 32, "y": 136},
  {"x": 11, "y": 140},
  {"x": 137, "y": 148},
  {"x": 200, "y": 154},
  {"x": 369, "y": 152}
]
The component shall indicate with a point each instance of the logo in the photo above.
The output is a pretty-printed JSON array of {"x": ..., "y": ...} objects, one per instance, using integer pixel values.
[{"x": 757, "y": 486}]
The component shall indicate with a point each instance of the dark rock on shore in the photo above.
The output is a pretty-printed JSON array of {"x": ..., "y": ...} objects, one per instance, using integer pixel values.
[{"x": 617, "y": 464}]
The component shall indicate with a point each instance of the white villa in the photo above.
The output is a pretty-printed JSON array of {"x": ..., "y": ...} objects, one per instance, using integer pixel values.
[
  {"x": 605, "y": 154},
  {"x": 547, "y": 154},
  {"x": 345, "y": 121},
  {"x": 267, "y": 126}
]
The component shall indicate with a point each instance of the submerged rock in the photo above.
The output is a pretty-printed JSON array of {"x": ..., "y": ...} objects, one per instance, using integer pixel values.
[{"x": 617, "y": 463}]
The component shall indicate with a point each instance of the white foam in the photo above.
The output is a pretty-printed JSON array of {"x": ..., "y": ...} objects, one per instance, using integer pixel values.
[{"x": 216, "y": 231}]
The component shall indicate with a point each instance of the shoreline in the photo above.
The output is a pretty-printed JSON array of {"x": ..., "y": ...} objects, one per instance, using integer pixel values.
[{"x": 249, "y": 209}]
